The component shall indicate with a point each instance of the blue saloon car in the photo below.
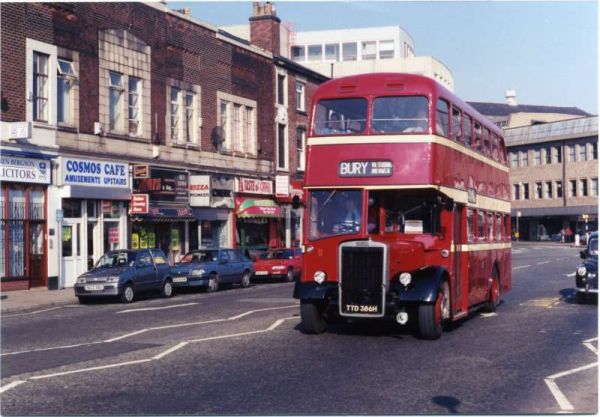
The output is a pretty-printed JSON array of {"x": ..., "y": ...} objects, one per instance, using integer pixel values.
[
  {"x": 586, "y": 275},
  {"x": 209, "y": 268},
  {"x": 124, "y": 273}
]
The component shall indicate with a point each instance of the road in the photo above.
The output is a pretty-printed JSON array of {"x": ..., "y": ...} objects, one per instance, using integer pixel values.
[{"x": 240, "y": 351}]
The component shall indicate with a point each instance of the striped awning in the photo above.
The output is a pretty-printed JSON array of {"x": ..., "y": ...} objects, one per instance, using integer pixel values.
[{"x": 250, "y": 207}]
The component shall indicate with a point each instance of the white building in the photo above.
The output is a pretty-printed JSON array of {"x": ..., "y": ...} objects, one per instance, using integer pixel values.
[{"x": 342, "y": 52}]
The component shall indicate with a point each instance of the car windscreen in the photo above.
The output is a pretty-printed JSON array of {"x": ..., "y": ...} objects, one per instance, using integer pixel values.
[
  {"x": 279, "y": 254},
  {"x": 201, "y": 256},
  {"x": 116, "y": 259},
  {"x": 340, "y": 116},
  {"x": 405, "y": 114},
  {"x": 593, "y": 249}
]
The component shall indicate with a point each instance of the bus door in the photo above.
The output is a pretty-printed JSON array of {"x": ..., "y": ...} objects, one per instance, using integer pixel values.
[{"x": 457, "y": 239}]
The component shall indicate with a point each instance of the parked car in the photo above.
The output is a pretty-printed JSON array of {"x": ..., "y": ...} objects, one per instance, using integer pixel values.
[
  {"x": 124, "y": 273},
  {"x": 209, "y": 268},
  {"x": 279, "y": 263},
  {"x": 586, "y": 275}
]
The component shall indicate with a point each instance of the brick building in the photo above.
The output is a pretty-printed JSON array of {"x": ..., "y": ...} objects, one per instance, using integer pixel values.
[{"x": 105, "y": 102}]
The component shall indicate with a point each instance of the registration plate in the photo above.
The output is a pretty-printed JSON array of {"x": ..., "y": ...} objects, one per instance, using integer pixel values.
[
  {"x": 94, "y": 287},
  {"x": 261, "y": 273},
  {"x": 180, "y": 279},
  {"x": 361, "y": 309}
]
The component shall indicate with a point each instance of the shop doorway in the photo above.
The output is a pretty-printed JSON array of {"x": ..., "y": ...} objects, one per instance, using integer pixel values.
[{"x": 74, "y": 262}]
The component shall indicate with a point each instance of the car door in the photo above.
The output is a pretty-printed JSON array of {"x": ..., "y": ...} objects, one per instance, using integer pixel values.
[
  {"x": 225, "y": 273},
  {"x": 145, "y": 271},
  {"x": 163, "y": 269},
  {"x": 237, "y": 267}
]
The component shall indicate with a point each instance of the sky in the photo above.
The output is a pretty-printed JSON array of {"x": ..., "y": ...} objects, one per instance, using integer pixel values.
[{"x": 545, "y": 50}]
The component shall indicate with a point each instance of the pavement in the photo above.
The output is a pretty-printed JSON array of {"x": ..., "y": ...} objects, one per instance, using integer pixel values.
[{"x": 35, "y": 299}]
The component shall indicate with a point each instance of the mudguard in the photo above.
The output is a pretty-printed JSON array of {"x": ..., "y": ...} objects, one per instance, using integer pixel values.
[
  {"x": 312, "y": 290},
  {"x": 424, "y": 286}
]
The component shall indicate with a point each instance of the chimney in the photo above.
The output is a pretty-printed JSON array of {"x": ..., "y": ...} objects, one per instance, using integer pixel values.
[
  {"x": 511, "y": 97},
  {"x": 264, "y": 27}
]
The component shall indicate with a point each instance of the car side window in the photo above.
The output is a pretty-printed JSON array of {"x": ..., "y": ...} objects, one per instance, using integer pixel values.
[
  {"x": 159, "y": 257},
  {"x": 144, "y": 259},
  {"x": 223, "y": 256},
  {"x": 232, "y": 256},
  {"x": 297, "y": 252}
]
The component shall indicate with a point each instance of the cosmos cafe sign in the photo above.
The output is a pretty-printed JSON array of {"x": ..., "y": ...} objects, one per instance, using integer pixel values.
[
  {"x": 94, "y": 173},
  {"x": 17, "y": 169}
]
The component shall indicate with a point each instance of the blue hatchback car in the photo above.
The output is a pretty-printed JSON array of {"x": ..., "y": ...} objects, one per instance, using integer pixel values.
[{"x": 209, "y": 268}]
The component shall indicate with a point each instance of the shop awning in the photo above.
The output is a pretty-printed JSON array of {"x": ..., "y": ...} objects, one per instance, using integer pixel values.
[{"x": 250, "y": 207}]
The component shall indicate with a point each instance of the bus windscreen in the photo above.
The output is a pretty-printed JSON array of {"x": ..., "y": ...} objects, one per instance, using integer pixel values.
[
  {"x": 340, "y": 116},
  {"x": 400, "y": 114}
]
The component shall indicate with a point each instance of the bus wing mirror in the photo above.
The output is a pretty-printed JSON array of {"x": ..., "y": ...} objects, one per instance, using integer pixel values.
[{"x": 295, "y": 202}]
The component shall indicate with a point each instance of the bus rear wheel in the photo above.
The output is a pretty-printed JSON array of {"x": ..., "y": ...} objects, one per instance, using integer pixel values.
[
  {"x": 432, "y": 316},
  {"x": 312, "y": 317}
]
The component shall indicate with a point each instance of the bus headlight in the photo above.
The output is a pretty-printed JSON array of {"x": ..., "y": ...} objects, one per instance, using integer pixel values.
[
  {"x": 581, "y": 271},
  {"x": 320, "y": 277},
  {"x": 405, "y": 278}
]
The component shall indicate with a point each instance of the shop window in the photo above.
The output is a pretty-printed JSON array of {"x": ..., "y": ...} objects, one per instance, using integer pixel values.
[
  {"x": 71, "y": 207},
  {"x": 40, "y": 87},
  {"x": 66, "y": 79}
]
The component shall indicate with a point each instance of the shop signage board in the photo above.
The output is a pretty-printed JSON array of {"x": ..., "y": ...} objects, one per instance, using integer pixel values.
[
  {"x": 282, "y": 186},
  {"x": 199, "y": 190},
  {"x": 28, "y": 170},
  {"x": 93, "y": 173},
  {"x": 253, "y": 186},
  {"x": 113, "y": 235},
  {"x": 166, "y": 188},
  {"x": 139, "y": 204}
]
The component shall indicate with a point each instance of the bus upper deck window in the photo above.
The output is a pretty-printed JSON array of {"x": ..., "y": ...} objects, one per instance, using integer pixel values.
[
  {"x": 495, "y": 146},
  {"x": 467, "y": 126},
  {"x": 406, "y": 114},
  {"x": 340, "y": 116},
  {"x": 477, "y": 145},
  {"x": 456, "y": 126},
  {"x": 442, "y": 119},
  {"x": 486, "y": 142}
]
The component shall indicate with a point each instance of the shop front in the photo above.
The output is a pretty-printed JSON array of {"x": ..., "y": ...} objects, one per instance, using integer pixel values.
[
  {"x": 286, "y": 191},
  {"x": 258, "y": 218},
  {"x": 92, "y": 218},
  {"x": 160, "y": 216},
  {"x": 211, "y": 200},
  {"x": 23, "y": 226}
]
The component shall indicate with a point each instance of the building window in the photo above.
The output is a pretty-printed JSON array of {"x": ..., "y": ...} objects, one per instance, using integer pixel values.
[
  {"x": 514, "y": 159},
  {"x": 548, "y": 155},
  {"x": 238, "y": 126},
  {"x": 594, "y": 151},
  {"x": 538, "y": 190},
  {"x": 134, "y": 90},
  {"x": 315, "y": 53},
  {"x": 190, "y": 118},
  {"x": 332, "y": 52},
  {"x": 571, "y": 152},
  {"x": 548, "y": 189},
  {"x": 524, "y": 159},
  {"x": 594, "y": 186},
  {"x": 537, "y": 156},
  {"x": 175, "y": 114},
  {"x": 572, "y": 188},
  {"x": 526, "y": 191},
  {"x": 584, "y": 187},
  {"x": 281, "y": 88},
  {"x": 300, "y": 146},
  {"x": 281, "y": 147},
  {"x": 66, "y": 78},
  {"x": 300, "y": 99},
  {"x": 557, "y": 154},
  {"x": 116, "y": 88},
  {"x": 442, "y": 118},
  {"x": 516, "y": 192},
  {"x": 582, "y": 152},
  {"x": 368, "y": 50},
  {"x": 40, "y": 87},
  {"x": 386, "y": 49},
  {"x": 559, "y": 190},
  {"x": 349, "y": 51},
  {"x": 298, "y": 53}
]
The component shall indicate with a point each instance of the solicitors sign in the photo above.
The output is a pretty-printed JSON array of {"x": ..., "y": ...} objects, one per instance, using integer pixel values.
[
  {"x": 29, "y": 170},
  {"x": 93, "y": 173}
]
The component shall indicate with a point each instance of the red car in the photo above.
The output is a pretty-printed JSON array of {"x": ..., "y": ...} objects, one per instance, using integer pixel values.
[{"x": 279, "y": 263}]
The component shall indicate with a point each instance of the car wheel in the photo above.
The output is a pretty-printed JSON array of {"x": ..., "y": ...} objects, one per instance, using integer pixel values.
[
  {"x": 311, "y": 317},
  {"x": 290, "y": 275},
  {"x": 83, "y": 300},
  {"x": 432, "y": 316},
  {"x": 581, "y": 297},
  {"x": 213, "y": 283},
  {"x": 167, "y": 289},
  {"x": 494, "y": 297},
  {"x": 245, "y": 279},
  {"x": 128, "y": 294}
]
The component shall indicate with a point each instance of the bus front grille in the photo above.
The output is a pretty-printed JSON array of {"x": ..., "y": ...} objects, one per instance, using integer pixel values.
[{"x": 362, "y": 280}]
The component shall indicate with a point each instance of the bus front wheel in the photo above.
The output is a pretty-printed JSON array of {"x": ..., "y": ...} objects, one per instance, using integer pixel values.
[
  {"x": 432, "y": 316},
  {"x": 312, "y": 317}
]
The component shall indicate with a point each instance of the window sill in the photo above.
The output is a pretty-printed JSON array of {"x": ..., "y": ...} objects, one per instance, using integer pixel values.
[
  {"x": 124, "y": 136},
  {"x": 192, "y": 146},
  {"x": 67, "y": 128}
]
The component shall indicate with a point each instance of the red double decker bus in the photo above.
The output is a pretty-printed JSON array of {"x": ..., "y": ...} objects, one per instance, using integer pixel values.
[{"x": 407, "y": 205}]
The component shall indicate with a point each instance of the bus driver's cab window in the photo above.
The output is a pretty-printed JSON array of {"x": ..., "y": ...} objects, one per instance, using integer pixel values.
[{"x": 408, "y": 212}]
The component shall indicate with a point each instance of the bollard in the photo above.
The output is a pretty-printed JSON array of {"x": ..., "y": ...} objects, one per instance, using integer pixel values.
[{"x": 576, "y": 236}]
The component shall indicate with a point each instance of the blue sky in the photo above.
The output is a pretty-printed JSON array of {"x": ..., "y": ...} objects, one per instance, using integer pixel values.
[{"x": 546, "y": 50}]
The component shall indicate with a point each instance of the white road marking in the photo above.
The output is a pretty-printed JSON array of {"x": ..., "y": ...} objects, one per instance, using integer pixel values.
[
  {"x": 573, "y": 371},
  {"x": 51, "y": 348},
  {"x": 135, "y": 310},
  {"x": 571, "y": 275},
  {"x": 31, "y": 312},
  {"x": 563, "y": 403},
  {"x": 159, "y": 356},
  {"x": 543, "y": 262},
  {"x": 11, "y": 385},
  {"x": 588, "y": 344},
  {"x": 484, "y": 315},
  {"x": 521, "y": 267}
]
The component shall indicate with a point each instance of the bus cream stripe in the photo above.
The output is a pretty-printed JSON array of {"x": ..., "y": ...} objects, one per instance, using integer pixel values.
[
  {"x": 475, "y": 247},
  {"x": 378, "y": 139},
  {"x": 460, "y": 196}
]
